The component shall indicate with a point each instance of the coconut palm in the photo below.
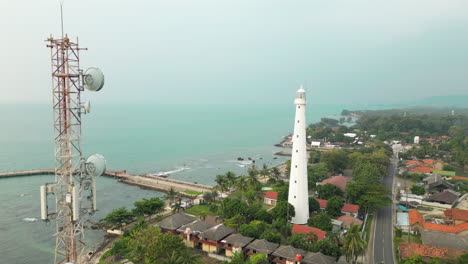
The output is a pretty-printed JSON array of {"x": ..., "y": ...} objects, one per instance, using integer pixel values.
[
  {"x": 252, "y": 178},
  {"x": 171, "y": 194},
  {"x": 354, "y": 245},
  {"x": 242, "y": 184},
  {"x": 176, "y": 207},
  {"x": 221, "y": 183},
  {"x": 230, "y": 178},
  {"x": 276, "y": 173},
  {"x": 265, "y": 171}
]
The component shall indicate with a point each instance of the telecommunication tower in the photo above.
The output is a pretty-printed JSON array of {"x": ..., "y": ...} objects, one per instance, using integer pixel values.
[{"x": 74, "y": 185}]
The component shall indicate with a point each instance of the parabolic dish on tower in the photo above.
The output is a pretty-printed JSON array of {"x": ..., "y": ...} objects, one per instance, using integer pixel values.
[
  {"x": 95, "y": 165},
  {"x": 93, "y": 79}
]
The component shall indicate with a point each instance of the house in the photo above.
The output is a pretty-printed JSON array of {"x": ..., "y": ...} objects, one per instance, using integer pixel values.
[
  {"x": 261, "y": 246},
  {"x": 439, "y": 186},
  {"x": 338, "y": 181},
  {"x": 347, "y": 209},
  {"x": 287, "y": 254},
  {"x": 348, "y": 220},
  {"x": 196, "y": 227},
  {"x": 211, "y": 238},
  {"x": 317, "y": 258},
  {"x": 445, "y": 197},
  {"x": 337, "y": 225},
  {"x": 270, "y": 198},
  {"x": 408, "y": 250},
  {"x": 307, "y": 229},
  {"x": 316, "y": 144},
  {"x": 235, "y": 243},
  {"x": 171, "y": 223},
  {"x": 456, "y": 216},
  {"x": 433, "y": 178},
  {"x": 421, "y": 169},
  {"x": 417, "y": 222},
  {"x": 443, "y": 239}
]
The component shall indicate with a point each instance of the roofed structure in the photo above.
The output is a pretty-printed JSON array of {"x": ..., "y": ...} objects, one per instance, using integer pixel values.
[
  {"x": 415, "y": 217},
  {"x": 408, "y": 250},
  {"x": 237, "y": 240},
  {"x": 216, "y": 233},
  {"x": 196, "y": 227},
  {"x": 307, "y": 229},
  {"x": 271, "y": 195},
  {"x": 338, "y": 181},
  {"x": 317, "y": 258},
  {"x": 287, "y": 252},
  {"x": 262, "y": 246},
  {"x": 456, "y": 215},
  {"x": 348, "y": 220},
  {"x": 445, "y": 240},
  {"x": 445, "y": 197},
  {"x": 175, "y": 221},
  {"x": 347, "y": 208}
]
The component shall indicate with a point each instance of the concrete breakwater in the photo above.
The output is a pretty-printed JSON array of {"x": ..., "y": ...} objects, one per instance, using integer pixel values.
[{"x": 145, "y": 181}]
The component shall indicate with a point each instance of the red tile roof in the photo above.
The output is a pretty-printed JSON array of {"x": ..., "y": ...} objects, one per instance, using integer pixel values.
[
  {"x": 416, "y": 217},
  {"x": 348, "y": 220},
  {"x": 422, "y": 169},
  {"x": 323, "y": 203},
  {"x": 338, "y": 181},
  {"x": 349, "y": 208},
  {"x": 271, "y": 195},
  {"x": 414, "y": 162},
  {"x": 408, "y": 250},
  {"x": 404, "y": 133},
  {"x": 457, "y": 214},
  {"x": 459, "y": 178},
  {"x": 444, "y": 136},
  {"x": 307, "y": 229},
  {"x": 428, "y": 161}
]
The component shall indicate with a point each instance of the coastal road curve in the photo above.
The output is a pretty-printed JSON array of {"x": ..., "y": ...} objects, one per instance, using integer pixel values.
[{"x": 383, "y": 237}]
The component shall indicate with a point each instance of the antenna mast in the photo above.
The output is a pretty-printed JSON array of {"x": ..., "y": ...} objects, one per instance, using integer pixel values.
[{"x": 74, "y": 185}]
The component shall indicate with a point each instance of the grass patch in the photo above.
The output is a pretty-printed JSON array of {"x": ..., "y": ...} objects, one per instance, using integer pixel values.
[
  {"x": 266, "y": 207},
  {"x": 192, "y": 192},
  {"x": 199, "y": 209},
  {"x": 424, "y": 208}
]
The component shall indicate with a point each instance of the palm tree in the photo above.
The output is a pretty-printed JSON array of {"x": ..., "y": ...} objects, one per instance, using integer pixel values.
[
  {"x": 252, "y": 178},
  {"x": 171, "y": 194},
  {"x": 354, "y": 245},
  {"x": 186, "y": 257},
  {"x": 221, "y": 183},
  {"x": 265, "y": 170},
  {"x": 230, "y": 178},
  {"x": 242, "y": 185},
  {"x": 276, "y": 173}
]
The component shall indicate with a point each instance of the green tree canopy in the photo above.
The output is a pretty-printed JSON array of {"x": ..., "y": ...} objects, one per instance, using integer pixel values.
[
  {"x": 118, "y": 217},
  {"x": 354, "y": 245},
  {"x": 334, "y": 205},
  {"x": 283, "y": 210},
  {"x": 418, "y": 190},
  {"x": 314, "y": 205},
  {"x": 148, "y": 207},
  {"x": 336, "y": 160},
  {"x": 321, "y": 221},
  {"x": 232, "y": 206},
  {"x": 328, "y": 190},
  {"x": 152, "y": 246},
  {"x": 317, "y": 173}
]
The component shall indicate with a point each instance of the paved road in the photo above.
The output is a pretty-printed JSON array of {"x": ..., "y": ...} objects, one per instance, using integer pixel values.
[{"x": 383, "y": 248}]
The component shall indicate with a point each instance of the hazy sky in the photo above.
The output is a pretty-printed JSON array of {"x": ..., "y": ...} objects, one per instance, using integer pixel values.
[{"x": 199, "y": 51}]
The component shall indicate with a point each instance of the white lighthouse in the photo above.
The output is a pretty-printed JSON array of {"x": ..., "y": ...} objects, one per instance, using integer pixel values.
[{"x": 298, "y": 189}]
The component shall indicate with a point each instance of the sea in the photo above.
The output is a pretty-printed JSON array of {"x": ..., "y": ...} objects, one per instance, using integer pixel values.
[{"x": 192, "y": 143}]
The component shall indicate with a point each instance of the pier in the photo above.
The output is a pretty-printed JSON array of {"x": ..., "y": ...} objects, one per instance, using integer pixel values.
[{"x": 145, "y": 181}]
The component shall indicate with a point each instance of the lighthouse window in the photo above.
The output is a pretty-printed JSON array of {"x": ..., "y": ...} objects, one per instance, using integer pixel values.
[
  {"x": 295, "y": 181},
  {"x": 298, "y": 107},
  {"x": 297, "y": 136},
  {"x": 297, "y": 150},
  {"x": 294, "y": 196},
  {"x": 296, "y": 166},
  {"x": 297, "y": 121}
]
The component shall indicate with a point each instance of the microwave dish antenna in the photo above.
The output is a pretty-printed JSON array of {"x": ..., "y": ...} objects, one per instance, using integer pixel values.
[
  {"x": 93, "y": 79},
  {"x": 95, "y": 165}
]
